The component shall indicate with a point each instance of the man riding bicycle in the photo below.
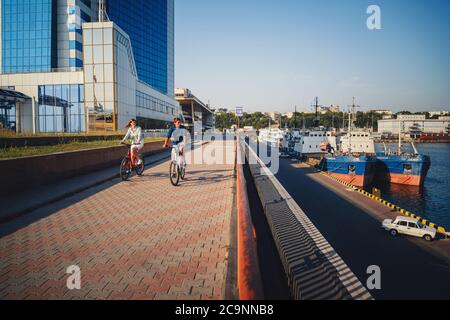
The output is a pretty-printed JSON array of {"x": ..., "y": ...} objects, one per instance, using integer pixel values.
[
  {"x": 135, "y": 134},
  {"x": 177, "y": 134}
]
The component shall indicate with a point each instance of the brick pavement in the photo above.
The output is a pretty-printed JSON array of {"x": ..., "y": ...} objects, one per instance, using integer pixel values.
[{"x": 140, "y": 239}]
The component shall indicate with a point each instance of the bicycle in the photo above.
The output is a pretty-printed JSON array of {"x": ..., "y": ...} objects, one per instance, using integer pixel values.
[
  {"x": 126, "y": 166},
  {"x": 177, "y": 170}
]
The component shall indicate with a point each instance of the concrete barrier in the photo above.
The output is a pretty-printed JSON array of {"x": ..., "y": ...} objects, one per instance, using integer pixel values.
[
  {"x": 30, "y": 172},
  {"x": 313, "y": 268},
  {"x": 248, "y": 275}
]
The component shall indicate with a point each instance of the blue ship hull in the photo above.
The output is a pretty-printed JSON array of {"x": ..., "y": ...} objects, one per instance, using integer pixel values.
[
  {"x": 403, "y": 169},
  {"x": 358, "y": 171}
]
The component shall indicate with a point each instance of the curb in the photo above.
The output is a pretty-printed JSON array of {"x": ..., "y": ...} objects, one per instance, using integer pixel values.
[{"x": 439, "y": 229}]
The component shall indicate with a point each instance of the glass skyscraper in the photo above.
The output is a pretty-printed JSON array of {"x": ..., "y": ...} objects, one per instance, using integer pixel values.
[
  {"x": 150, "y": 27},
  {"x": 27, "y": 38},
  {"x": 81, "y": 74}
]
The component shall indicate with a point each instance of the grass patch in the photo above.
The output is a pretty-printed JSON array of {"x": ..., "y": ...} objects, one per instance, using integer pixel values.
[
  {"x": 11, "y": 134},
  {"x": 17, "y": 152}
]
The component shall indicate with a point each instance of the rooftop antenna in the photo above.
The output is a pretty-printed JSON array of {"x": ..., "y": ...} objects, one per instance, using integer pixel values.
[{"x": 102, "y": 14}]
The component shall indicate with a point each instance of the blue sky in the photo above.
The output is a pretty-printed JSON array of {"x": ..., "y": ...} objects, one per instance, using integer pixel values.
[{"x": 271, "y": 55}]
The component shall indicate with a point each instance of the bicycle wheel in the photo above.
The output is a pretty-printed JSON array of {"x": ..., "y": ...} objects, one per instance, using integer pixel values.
[
  {"x": 174, "y": 174},
  {"x": 125, "y": 169},
  {"x": 140, "y": 168}
]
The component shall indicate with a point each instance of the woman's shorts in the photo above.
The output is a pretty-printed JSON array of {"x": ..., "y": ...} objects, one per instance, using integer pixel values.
[{"x": 137, "y": 146}]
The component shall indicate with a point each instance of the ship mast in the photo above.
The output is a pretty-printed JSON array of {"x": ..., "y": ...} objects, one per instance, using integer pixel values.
[
  {"x": 399, "y": 150},
  {"x": 316, "y": 119}
]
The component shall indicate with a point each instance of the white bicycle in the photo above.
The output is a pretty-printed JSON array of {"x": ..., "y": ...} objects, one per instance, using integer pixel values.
[{"x": 177, "y": 167}]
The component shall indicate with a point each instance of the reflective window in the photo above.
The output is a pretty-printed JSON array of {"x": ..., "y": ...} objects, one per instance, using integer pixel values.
[
  {"x": 146, "y": 24},
  {"x": 26, "y": 35},
  {"x": 61, "y": 108},
  {"x": 146, "y": 101}
]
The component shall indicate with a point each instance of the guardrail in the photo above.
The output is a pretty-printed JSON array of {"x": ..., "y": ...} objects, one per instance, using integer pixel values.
[
  {"x": 313, "y": 268},
  {"x": 248, "y": 275}
]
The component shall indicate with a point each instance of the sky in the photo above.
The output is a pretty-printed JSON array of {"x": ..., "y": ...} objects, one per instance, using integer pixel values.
[{"x": 273, "y": 55}]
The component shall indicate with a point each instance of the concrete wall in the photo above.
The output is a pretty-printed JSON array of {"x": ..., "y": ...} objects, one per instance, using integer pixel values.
[{"x": 31, "y": 172}]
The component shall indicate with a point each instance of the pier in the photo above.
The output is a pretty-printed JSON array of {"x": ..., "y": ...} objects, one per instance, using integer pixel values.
[
  {"x": 351, "y": 223},
  {"x": 229, "y": 231}
]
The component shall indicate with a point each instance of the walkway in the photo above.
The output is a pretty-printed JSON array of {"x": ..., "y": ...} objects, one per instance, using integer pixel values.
[{"x": 140, "y": 239}]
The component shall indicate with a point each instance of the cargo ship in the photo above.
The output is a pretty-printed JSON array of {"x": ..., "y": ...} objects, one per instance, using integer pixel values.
[
  {"x": 356, "y": 170},
  {"x": 354, "y": 162},
  {"x": 403, "y": 168}
]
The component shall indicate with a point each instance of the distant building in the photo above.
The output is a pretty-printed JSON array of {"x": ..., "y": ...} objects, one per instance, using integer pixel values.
[
  {"x": 413, "y": 123},
  {"x": 324, "y": 109},
  {"x": 438, "y": 113},
  {"x": 220, "y": 110},
  {"x": 288, "y": 115},
  {"x": 382, "y": 111},
  {"x": 275, "y": 116},
  {"x": 195, "y": 112},
  {"x": 411, "y": 117}
]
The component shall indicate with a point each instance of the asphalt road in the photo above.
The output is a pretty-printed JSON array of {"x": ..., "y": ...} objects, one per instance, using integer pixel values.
[{"x": 408, "y": 270}]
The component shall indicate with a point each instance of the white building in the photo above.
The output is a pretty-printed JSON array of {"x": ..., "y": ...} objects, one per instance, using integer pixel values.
[
  {"x": 382, "y": 111},
  {"x": 438, "y": 113},
  {"x": 403, "y": 123}
]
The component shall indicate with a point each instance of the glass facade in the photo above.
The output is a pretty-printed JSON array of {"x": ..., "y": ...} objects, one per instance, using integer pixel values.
[
  {"x": 8, "y": 113},
  {"x": 61, "y": 108},
  {"x": 146, "y": 101},
  {"x": 8, "y": 117},
  {"x": 99, "y": 79},
  {"x": 146, "y": 24},
  {"x": 26, "y": 35}
]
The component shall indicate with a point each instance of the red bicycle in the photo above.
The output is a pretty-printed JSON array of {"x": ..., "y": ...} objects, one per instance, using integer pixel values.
[{"x": 127, "y": 166}]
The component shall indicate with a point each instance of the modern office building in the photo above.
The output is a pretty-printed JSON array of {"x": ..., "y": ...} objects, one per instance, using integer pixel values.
[
  {"x": 80, "y": 74},
  {"x": 196, "y": 114}
]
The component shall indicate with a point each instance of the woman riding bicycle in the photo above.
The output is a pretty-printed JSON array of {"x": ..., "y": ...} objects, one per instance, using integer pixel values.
[{"x": 134, "y": 133}]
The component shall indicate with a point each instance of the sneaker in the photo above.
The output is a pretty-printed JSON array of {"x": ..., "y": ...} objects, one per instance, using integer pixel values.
[{"x": 139, "y": 162}]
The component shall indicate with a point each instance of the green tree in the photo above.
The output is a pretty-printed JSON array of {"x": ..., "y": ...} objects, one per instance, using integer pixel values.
[{"x": 225, "y": 120}]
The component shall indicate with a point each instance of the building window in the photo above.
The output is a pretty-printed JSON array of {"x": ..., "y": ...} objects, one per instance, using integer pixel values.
[
  {"x": 146, "y": 23},
  {"x": 61, "y": 108},
  {"x": 26, "y": 35}
]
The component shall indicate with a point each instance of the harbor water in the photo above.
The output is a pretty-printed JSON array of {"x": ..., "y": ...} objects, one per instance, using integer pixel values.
[{"x": 432, "y": 200}]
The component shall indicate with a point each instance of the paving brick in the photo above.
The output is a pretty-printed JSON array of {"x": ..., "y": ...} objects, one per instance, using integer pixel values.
[{"x": 145, "y": 247}]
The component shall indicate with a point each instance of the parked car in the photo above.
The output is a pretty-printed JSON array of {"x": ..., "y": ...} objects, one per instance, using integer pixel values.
[{"x": 409, "y": 226}]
